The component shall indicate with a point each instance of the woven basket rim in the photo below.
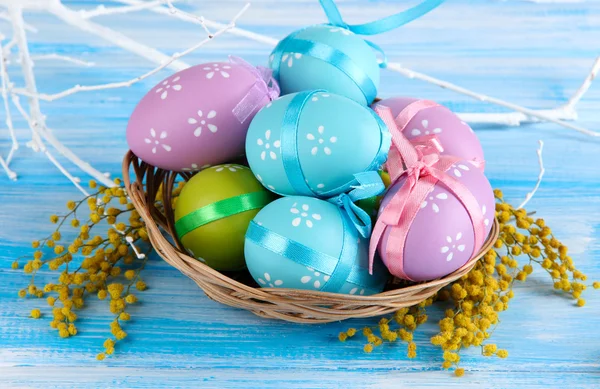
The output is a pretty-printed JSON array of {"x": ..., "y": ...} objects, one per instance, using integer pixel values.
[{"x": 295, "y": 305}]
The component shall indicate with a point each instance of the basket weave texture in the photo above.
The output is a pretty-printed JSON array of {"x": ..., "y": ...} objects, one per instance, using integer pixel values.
[{"x": 299, "y": 306}]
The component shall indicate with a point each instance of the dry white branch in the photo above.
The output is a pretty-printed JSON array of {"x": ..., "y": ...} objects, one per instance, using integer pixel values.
[
  {"x": 530, "y": 195},
  {"x": 529, "y": 114},
  {"x": 210, "y": 23},
  {"x": 122, "y": 84},
  {"x": 199, "y": 19},
  {"x": 101, "y": 10},
  {"x": 28, "y": 27},
  {"x": 35, "y": 118},
  {"x": 74, "y": 18},
  {"x": 9, "y": 123},
  {"x": 570, "y": 106},
  {"x": 59, "y": 57}
]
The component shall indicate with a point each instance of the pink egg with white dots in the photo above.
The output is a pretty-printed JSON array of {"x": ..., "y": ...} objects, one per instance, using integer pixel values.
[
  {"x": 456, "y": 137},
  {"x": 441, "y": 238},
  {"x": 198, "y": 116}
]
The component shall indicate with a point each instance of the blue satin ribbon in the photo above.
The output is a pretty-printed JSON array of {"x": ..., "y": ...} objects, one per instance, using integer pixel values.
[
  {"x": 289, "y": 143},
  {"x": 342, "y": 269},
  {"x": 338, "y": 59},
  {"x": 382, "y": 25},
  {"x": 370, "y": 184}
]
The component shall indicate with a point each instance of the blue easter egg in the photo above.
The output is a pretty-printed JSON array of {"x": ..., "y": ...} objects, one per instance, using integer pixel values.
[
  {"x": 328, "y": 57},
  {"x": 301, "y": 242},
  {"x": 312, "y": 143}
]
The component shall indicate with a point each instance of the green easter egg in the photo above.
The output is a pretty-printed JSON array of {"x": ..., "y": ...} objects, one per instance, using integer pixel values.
[{"x": 213, "y": 212}]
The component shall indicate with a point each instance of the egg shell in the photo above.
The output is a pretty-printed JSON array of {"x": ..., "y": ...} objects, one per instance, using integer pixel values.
[
  {"x": 441, "y": 238},
  {"x": 186, "y": 122},
  {"x": 219, "y": 244},
  {"x": 456, "y": 136},
  {"x": 331, "y": 147},
  {"x": 299, "y": 72},
  {"x": 318, "y": 225}
]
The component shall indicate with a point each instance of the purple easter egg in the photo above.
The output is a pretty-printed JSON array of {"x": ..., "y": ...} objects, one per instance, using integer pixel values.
[
  {"x": 187, "y": 121},
  {"x": 456, "y": 136},
  {"x": 441, "y": 238}
]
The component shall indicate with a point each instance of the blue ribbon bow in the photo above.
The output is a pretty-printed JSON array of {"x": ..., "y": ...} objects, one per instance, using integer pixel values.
[{"x": 370, "y": 184}]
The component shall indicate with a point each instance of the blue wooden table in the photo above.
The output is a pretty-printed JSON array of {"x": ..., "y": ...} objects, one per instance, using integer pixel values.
[{"x": 533, "y": 53}]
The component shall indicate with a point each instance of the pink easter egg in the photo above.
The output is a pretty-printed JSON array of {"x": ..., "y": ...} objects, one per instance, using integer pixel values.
[
  {"x": 441, "y": 238},
  {"x": 456, "y": 136},
  {"x": 191, "y": 119}
]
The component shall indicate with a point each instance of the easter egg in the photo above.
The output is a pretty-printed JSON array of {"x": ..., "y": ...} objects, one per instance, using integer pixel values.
[
  {"x": 455, "y": 136},
  {"x": 312, "y": 143},
  {"x": 198, "y": 116},
  {"x": 441, "y": 237},
  {"x": 327, "y": 57},
  {"x": 213, "y": 211},
  {"x": 302, "y": 242}
]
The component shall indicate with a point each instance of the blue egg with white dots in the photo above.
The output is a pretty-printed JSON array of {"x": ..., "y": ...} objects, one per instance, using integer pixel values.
[
  {"x": 328, "y": 57},
  {"x": 302, "y": 242},
  {"x": 312, "y": 143}
]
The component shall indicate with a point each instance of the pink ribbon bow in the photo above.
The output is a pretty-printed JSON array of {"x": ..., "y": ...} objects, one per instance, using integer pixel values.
[
  {"x": 265, "y": 87},
  {"x": 422, "y": 166}
]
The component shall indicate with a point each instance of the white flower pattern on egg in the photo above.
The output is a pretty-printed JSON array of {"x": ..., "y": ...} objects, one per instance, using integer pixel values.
[
  {"x": 289, "y": 57},
  {"x": 425, "y": 130},
  {"x": 452, "y": 245},
  {"x": 319, "y": 279},
  {"x": 231, "y": 168},
  {"x": 167, "y": 85},
  {"x": 217, "y": 68},
  {"x": 202, "y": 121},
  {"x": 266, "y": 144},
  {"x": 354, "y": 290},
  {"x": 157, "y": 140},
  {"x": 303, "y": 215},
  {"x": 320, "y": 139},
  {"x": 193, "y": 167},
  {"x": 434, "y": 204},
  {"x": 267, "y": 281},
  {"x": 457, "y": 169}
]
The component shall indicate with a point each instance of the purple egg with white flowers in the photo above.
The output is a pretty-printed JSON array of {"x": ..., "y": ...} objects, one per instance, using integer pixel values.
[
  {"x": 456, "y": 137},
  {"x": 199, "y": 116},
  {"x": 441, "y": 238}
]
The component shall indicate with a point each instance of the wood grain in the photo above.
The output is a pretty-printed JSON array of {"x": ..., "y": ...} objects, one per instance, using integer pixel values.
[{"x": 531, "y": 53}]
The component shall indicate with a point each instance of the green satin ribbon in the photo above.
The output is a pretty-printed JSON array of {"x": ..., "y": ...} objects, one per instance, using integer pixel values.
[{"x": 221, "y": 209}]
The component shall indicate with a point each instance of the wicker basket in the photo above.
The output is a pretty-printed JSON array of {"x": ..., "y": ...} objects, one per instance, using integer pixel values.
[{"x": 300, "y": 306}]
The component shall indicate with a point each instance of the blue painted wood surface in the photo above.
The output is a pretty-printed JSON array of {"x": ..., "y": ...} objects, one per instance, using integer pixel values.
[{"x": 532, "y": 53}]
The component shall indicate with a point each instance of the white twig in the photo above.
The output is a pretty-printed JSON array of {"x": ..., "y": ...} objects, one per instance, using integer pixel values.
[
  {"x": 139, "y": 255},
  {"x": 526, "y": 111},
  {"x": 570, "y": 106},
  {"x": 173, "y": 58},
  {"x": 64, "y": 171},
  {"x": 36, "y": 118},
  {"x": 199, "y": 19},
  {"x": 74, "y": 18},
  {"x": 210, "y": 23},
  {"x": 60, "y": 57},
  {"x": 28, "y": 27},
  {"x": 101, "y": 10},
  {"x": 530, "y": 195},
  {"x": 9, "y": 123}
]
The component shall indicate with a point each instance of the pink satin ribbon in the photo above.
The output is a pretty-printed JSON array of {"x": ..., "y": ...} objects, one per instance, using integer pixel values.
[
  {"x": 265, "y": 86},
  {"x": 423, "y": 167}
]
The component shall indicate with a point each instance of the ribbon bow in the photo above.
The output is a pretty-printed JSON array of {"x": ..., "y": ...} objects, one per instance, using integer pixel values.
[
  {"x": 376, "y": 27},
  {"x": 421, "y": 166},
  {"x": 264, "y": 87},
  {"x": 370, "y": 184}
]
